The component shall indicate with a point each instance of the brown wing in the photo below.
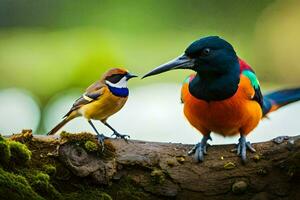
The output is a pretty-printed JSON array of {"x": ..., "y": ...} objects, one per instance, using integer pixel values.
[{"x": 92, "y": 93}]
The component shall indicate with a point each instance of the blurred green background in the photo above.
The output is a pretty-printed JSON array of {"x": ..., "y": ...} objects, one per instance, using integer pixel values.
[{"x": 53, "y": 49}]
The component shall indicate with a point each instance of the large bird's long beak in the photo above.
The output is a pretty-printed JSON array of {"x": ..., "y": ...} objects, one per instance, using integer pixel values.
[{"x": 181, "y": 62}]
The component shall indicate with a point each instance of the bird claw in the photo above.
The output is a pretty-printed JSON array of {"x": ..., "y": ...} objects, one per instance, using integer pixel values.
[
  {"x": 280, "y": 139},
  {"x": 200, "y": 152},
  {"x": 242, "y": 147},
  {"x": 193, "y": 150},
  {"x": 200, "y": 149},
  {"x": 101, "y": 139},
  {"x": 118, "y": 135},
  {"x": 249, "y": 146}
]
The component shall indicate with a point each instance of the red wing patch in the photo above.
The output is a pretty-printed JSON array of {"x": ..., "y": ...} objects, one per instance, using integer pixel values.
[{"x": 244, "y": 66}]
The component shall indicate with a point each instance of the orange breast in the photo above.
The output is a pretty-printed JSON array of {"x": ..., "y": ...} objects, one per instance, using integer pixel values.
[{"x": 238, "y": 114}]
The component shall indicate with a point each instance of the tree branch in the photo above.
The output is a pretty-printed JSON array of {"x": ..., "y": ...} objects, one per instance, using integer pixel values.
[{"x": 164, "y": 171}]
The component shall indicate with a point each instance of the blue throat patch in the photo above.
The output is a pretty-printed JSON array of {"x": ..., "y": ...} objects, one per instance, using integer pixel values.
[{"x": 120, "y": 92}]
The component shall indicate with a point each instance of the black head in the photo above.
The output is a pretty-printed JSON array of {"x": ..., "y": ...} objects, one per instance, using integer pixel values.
[
  {"x": 212, "y": 54},
  {"x": 209, "y": 55}
]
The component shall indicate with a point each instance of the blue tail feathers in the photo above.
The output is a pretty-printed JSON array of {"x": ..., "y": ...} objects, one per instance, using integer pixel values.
[{"x": 275, "y": 100}]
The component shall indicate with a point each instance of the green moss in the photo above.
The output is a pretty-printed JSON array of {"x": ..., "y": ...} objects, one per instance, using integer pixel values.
[
  {"x": 104, "y": 196},
  {"x": 14, "y": 186},
  {"x": 89, "y": 142},
  {"x": 229, "y": 165},
  {"x": 13, "y": 151},
  {"x": 180, "y": 159},
  {"x": 126, "y": 188},
  {"x": 91, "y": 194},
  {"x": 4, "y": 152},
  {"x": 41, "y": 184},
  {"x": 49, "y": 169},
  {"x": 90, "y": 146},
  {"x": 1, "y": 138},
  {"x": 256, "y": 157},
  {"x": 171, "y": 162},
  {"x": 76, "y": 138},
  {"x": 23, "y": 137},
  {"x": 20, "y": 154},
  {"x": 158, "y": 176},
  {"x": 62, "y": 173},
  {"x": 42, "y": 177}
]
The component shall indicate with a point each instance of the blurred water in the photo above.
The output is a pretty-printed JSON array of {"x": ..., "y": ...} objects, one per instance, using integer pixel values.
[
  {"x": 18, "y": 110},
  {"x": 154, "y": 113}
]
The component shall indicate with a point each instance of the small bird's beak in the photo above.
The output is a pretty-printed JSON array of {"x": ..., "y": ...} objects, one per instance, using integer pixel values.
[
  {"x": 181, "y": 62},
  {"x": 130, "y": 76}
]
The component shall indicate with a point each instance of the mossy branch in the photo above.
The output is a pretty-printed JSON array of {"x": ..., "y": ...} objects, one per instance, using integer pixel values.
[{"x": 77, "y": 168}]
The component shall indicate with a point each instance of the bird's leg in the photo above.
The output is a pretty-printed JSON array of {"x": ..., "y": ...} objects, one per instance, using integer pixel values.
[
  {"x": 100, "y": 137},
  {"x": 242, "y": 147},
  {"x": 200, "y": 149},
  {"x": 116, "y": 133}
]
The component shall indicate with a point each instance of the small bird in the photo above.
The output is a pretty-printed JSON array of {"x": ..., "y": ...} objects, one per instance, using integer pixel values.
[
  {"x": 224, "y": 95},
  {"x": 101, "y": 100}
]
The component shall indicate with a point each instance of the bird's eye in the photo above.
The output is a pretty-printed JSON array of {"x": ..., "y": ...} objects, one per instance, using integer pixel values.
[
  {"x": 115, "y": 78},
  {"x": 205, "y": 52}
]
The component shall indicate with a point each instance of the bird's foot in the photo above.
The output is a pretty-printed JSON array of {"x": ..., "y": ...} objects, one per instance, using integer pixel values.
[
  {"x": 200, "y": 149},
  {"x": 242, "y": 147},
  {"x": 280, "y": 139},
  {"x": 101, "y": 138},
  {"x": 122, "y": 136}
]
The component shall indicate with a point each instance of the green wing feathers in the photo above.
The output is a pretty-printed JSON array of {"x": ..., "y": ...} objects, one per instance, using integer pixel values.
[
  {"x": 252, "y": 77},
  {"x": 255, "y": 84}
]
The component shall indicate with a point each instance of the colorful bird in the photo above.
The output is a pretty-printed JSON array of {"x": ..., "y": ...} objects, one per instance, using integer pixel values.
[
  {"x": 102, "y": 99},
  {"x": 224, "y": 95}
]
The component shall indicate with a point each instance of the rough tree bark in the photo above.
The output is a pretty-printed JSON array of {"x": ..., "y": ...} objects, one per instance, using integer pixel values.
[{"x": 164, "y": 171}]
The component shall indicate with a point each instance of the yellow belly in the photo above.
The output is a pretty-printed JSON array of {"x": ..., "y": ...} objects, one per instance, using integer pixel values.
[{"x": 104, "y": 107}]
